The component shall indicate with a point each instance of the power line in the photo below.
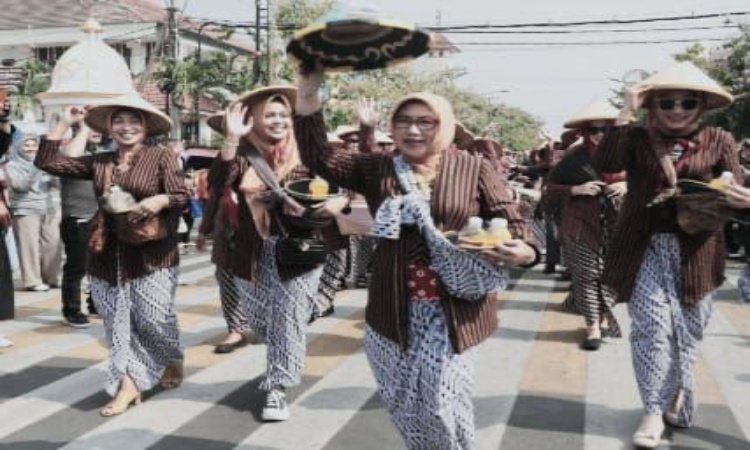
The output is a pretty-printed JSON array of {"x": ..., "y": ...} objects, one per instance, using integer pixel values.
[
  {"x": 616, "y": 30},
  {"x": 587, "y": 43},
  {"x": 594, "y": 22}
]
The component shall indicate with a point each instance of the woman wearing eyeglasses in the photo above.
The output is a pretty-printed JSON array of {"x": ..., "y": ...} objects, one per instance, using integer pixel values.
[
  {"x": 666, "y": 274},
  {"x": 420, "y": 340},
  {"x": 590, "y": 203}
]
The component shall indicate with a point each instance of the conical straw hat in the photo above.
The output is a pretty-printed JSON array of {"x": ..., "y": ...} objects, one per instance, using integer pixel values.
[
  {"x": 157, "y": 123},
  {"x": 686, "y": 76},
  {"x": 344, "y": 130},
  {"x": 252, "y": 97},
  {"x": 596, "y": 110}
]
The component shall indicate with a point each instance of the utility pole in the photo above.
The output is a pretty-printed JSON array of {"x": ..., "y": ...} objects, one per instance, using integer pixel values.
[
  {"x": 170, "y": 50},
  {"x": 257, "y": 70},
  {"x": 271, "y": 8}
]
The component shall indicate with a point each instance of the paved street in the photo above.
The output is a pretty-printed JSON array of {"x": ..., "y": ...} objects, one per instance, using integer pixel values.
[{"x": 536, "y": 390}]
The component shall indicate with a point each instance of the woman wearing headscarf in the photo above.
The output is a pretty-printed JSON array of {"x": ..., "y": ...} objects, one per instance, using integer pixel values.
[
  {"x": 420, "y": 340},
  {"x": 34, "y": 202},
  {"x": 590, "y": 201},
  {"x": 132, "y": 283},
  {"x": 279, "y": 297},
  {"x": 657, "y": 262}
]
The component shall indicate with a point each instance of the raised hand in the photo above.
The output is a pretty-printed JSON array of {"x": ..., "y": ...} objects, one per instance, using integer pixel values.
[
  {"x": 73, "y": 115},
  {"x": 367, "y": 111},
  {"x": 238, "y": 124},
  {"x": 308, "y": 88}
]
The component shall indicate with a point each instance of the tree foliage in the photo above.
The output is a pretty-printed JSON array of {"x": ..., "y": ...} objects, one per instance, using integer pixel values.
[{"x": 729, "y": 64}]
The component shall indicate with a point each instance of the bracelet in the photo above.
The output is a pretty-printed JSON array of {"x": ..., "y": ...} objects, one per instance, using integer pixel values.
[
  {"x": 232, "y": 143},
  {"x": 537, "y": 258}
]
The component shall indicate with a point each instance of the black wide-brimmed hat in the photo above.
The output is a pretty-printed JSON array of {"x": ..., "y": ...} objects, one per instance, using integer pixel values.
[{"x": 357, "y": 37}]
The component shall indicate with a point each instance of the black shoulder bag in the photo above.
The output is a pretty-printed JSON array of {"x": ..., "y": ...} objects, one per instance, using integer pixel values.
[{"x": 290, "y": 251}]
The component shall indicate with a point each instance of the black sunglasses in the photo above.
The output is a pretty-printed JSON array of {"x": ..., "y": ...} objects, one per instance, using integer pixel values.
[
  {"x": 687, "y": 104},
  {"x": 598, "y": 130}
]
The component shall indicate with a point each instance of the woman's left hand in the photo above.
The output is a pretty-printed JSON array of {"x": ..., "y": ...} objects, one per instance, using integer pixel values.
[
  {"x": 513, "y": 253},
  {"x": 330, "y": 208},
  {"x": 616, "y": 190},
  {"x": 737, "y": 197},
  {"x": 151, "y": 206}
]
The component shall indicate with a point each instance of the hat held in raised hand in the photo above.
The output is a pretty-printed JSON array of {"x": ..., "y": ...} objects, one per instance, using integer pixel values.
[{"x": 357, "y": 36}]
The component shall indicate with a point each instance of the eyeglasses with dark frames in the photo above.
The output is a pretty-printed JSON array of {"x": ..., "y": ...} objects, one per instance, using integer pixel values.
[{"x": 423, "y": 123}]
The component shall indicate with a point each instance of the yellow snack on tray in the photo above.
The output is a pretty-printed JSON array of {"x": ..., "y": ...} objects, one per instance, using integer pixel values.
[
  {"x": 318, "y": 188},
  {"x": 722, "y": 182}
]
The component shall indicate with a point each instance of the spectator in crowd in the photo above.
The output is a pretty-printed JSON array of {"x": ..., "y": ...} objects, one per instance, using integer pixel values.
[
  {"x": 6, "y": 274},
  {"x": 79, "y": 204},
  {"x": 36, "y": 215}
]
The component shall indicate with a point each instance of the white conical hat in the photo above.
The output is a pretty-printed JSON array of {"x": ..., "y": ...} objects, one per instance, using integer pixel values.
[
  {"x": 685, "y": 75},
  {"x": 600, "y": 109}
]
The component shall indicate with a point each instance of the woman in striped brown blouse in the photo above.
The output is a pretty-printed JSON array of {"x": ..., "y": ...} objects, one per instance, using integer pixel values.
[
  {"x": 420, "y": 340},
  {"x": 133, "y": 285},
  {"x": 666, "y": 273},
  {"x": 221, "y": 222},
  {"x": 279, "y": 297},
  {"x": 590, "y": 201}
]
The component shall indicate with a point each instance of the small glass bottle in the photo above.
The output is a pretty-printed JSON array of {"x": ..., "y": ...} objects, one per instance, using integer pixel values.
[
  {"x": 473, "y": 231},
  {"x": 498, "y": 232}
]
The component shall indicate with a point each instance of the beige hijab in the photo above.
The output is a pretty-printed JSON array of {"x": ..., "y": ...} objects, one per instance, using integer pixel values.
[
  {"x": 446, "y": 132},
  {"x": 282, "y": 156}
]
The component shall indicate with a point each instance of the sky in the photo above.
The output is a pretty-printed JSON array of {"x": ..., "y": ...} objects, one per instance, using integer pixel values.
[{"x": 550, "y": 83}]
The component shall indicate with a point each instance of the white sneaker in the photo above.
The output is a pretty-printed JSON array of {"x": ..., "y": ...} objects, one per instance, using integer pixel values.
[
  {"x": 4, "y": 342},
  {"x": 649, "y": 432},
  {"x": 276, "y": 409},
  {"x": 39, "y": 288}
]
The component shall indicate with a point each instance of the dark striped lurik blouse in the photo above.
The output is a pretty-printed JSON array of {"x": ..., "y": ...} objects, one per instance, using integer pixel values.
[
  {"x": 629, "y": 148},
  {"x": 153, "y": 171},
  {"x": 466, "y": 186},
  {"x": 582, "y": 216}
]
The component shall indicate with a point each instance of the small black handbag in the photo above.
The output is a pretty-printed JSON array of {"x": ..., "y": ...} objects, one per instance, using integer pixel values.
[{"x": 291, "y": 251}]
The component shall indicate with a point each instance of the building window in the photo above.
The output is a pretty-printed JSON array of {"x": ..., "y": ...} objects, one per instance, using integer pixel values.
[
  {"x": 150, "y": 52},
  {"x": 124, "y": 51},
  {"x": 49, "y": 55}
]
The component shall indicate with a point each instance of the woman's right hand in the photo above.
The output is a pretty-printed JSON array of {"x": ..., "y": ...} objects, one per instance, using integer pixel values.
[
  {"x": 590, "y": 189},
  {"x": 238, "y": 124},
  {"x": 308, "y": 88},
  {"x": 73, "y": 115}
]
